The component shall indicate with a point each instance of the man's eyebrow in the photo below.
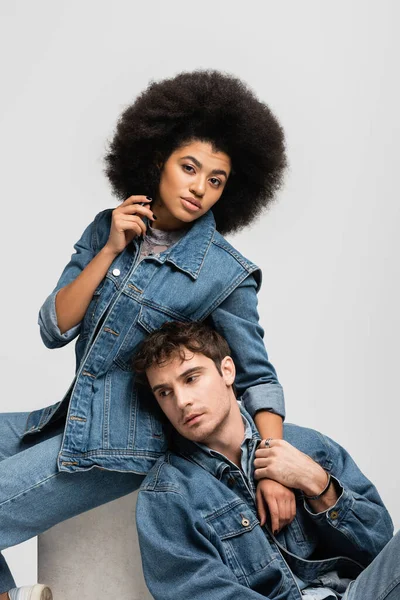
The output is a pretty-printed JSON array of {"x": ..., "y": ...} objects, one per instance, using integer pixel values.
[
  {"x": 199, "y": 165},
  {"x": 181, "y": 376}
]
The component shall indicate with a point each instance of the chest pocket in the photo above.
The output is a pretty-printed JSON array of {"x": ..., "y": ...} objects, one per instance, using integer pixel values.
[
  {"x": 148, "y": 320},
  {"x": 245, "y": 544}
]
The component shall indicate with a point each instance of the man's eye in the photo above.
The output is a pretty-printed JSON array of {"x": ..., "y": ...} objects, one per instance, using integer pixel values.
[
  {"x": 164, "y": 393},
  {"x": 191, "y": 379}
]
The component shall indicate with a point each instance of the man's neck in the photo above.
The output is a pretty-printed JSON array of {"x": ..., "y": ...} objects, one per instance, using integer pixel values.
[{"x": 229, "y": 438}]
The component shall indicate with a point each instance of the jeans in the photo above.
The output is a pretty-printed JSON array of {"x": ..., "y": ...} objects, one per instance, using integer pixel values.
[
  {"x": 381, "y": 579},
  {"x": 34, "y": 495}
]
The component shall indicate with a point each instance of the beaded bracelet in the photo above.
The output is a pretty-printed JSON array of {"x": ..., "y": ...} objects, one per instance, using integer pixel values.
[{"x": 318, "y": 496}]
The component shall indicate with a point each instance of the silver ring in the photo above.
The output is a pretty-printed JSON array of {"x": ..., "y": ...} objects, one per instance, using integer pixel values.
[{"x": 267, "y": 442}]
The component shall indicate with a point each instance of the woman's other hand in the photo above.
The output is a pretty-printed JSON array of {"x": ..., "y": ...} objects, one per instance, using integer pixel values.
[
  {"x": 279, "y": 500},
  {"x": 127, "y": 222}
]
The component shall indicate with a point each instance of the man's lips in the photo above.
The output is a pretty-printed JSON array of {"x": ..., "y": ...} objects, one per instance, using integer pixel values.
[
  {"x": 191, "y": 203},
  {"x": 191, "y": 418}
]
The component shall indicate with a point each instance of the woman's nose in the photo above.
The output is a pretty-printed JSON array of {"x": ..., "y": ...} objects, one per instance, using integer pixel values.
[{"x": 198, "y": 187}]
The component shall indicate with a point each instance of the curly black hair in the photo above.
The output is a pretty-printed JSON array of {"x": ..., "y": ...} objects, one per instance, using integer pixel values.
[{"x": 203, "y": 105}]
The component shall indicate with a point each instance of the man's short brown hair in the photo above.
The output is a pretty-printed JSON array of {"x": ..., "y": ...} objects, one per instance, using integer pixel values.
[{"x": 173, "y": 338}]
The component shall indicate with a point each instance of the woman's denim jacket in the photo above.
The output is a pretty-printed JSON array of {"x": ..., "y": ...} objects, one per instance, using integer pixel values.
[
  {"x": 201, "y": 277},
  {"x": 200, "y": 536}
]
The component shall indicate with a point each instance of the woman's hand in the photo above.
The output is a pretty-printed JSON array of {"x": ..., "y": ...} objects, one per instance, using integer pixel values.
[
  {"x": 127, "y": 223},
  {"x": 279, "y": 500}
]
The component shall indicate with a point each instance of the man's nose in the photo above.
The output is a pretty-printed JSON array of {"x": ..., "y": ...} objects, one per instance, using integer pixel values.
[{"x": 183, "y": 399}]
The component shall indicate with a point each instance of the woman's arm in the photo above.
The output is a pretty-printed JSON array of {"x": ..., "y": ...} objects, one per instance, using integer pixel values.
[
  {"x": 257, "y": 384},
  {"x": 62, "y": 312},
  {"x": 126, "y": 223}
]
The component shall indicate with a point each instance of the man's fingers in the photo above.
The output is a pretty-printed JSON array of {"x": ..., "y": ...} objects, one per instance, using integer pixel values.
[{"x": 260, "y": 474}]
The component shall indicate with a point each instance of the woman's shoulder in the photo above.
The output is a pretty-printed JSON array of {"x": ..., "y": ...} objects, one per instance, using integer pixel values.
[
  {"x": 100, "y": 228},
  {"x": 220, "y": 242}
]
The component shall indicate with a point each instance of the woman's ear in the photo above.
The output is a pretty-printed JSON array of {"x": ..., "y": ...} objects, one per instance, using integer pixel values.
[{"x": 159, "y": 161}]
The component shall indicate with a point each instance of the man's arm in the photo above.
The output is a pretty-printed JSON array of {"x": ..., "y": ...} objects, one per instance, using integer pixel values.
[
  {"x": 351, "y": 514},
  {"x": 179, "y": 559}
]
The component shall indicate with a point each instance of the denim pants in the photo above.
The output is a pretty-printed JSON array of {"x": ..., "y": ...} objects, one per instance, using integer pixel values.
[
  {"x": 381, "y": 579},
  {"x": 34, "y": 495}
]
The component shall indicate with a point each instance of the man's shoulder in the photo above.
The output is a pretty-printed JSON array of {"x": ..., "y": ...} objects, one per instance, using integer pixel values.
[
  {"x": 171, "y": 473},
  {"x": 312, "y": 442}
]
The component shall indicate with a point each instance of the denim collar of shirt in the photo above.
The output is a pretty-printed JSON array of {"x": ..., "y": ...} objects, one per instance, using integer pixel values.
[
  {"x": 189, "y": 252},
  {"x": 210, "y": 460}
]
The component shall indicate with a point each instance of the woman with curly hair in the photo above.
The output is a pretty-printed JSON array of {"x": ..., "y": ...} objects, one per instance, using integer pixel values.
[{"x": 194, "y": 157}]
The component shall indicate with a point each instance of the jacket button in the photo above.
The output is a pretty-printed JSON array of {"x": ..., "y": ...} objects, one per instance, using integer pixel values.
[
  {"x": 245, "y": 522},
  {"x": 334, "y": 514},
  {"x": 116, "y": 272},
  {"x": 231, "y": 482}
]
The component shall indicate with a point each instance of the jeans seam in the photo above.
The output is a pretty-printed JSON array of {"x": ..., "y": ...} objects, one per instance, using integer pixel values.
[
  {"x": 27, "y": 490},
  {"x": 390, "y": 587}
]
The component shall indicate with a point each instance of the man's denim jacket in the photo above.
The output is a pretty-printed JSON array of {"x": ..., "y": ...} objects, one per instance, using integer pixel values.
[
  {"x": 201, "y": 277},
  {"x": 200, "y": 537}
]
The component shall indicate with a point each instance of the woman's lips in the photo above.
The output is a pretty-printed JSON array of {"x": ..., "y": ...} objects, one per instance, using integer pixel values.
[{"x": 191, "y": 204}]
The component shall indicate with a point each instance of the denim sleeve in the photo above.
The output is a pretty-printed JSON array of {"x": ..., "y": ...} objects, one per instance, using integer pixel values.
[
  {"x": 237, "y": 320},
  {"x": 359, "y": 520},
  {"x": 179, "y": 559},
  {"x": 49, "y": 330}
]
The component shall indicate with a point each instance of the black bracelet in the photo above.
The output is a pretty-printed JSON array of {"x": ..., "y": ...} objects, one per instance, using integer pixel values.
[{"x": 318, "y": 496}]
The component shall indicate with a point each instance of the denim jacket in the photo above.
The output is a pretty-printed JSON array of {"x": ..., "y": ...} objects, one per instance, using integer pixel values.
[
  {"x": 201, "y": 277},
  {"x": 200, "y": 537}
]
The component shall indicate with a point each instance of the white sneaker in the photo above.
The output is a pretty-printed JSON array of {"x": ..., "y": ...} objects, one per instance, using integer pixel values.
[{"x": 31, "y": 592}]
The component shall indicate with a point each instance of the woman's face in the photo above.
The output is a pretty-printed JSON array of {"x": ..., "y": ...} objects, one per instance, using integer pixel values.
[{"x": 192, "y": 181}]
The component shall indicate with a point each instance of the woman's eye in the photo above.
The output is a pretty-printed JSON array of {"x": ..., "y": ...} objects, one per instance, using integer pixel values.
[
  {"x": 188, "y": 168},
  {"x": 215, "y": 181}
]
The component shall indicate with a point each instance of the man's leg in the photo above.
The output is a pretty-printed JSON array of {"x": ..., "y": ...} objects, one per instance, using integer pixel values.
[
  {"x": 34, "y": 495},
  {"x": 381, "y": 579}
]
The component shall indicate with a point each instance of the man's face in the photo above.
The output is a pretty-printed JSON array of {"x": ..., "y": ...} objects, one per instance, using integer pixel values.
[{"x": 194, "y": 396}]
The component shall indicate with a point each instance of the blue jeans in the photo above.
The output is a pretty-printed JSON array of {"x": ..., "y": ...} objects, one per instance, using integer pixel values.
[
  {"x": 34, "y": 495},
  {"x": 381, "y": 579}
]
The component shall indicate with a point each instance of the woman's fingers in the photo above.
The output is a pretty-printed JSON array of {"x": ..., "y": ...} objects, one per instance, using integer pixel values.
[
  {"x": 261, "y": 510},
  {"x": 133, "y": 209},
  {"x": 132, "y": 223}
]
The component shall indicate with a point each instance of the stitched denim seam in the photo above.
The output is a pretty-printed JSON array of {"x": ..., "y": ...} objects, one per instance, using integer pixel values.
[{"x": 28, "y": 490}]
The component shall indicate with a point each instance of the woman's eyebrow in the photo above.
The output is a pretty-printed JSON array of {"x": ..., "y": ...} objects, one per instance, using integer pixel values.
[{"x": 199, "y": 165}]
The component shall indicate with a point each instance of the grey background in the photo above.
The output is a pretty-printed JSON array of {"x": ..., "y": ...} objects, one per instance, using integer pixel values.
[{"x": 329, "y": 246}]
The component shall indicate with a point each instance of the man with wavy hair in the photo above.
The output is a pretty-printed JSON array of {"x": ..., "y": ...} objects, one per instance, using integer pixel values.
[{"x": 199, "y": 534}]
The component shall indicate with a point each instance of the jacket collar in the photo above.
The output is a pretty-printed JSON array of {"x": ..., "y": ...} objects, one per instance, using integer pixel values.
[
  {"x": 189, "y": 253},
  {"x": 209, "y": 460}
]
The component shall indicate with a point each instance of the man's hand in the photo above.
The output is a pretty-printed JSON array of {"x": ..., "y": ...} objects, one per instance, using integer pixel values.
[
  {"x": 286, "y": 465},
  {"x": 281, "y": 503}
]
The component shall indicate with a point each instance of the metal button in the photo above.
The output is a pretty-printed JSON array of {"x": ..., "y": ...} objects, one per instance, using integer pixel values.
[
  {"x": 245, "y": 522},
  {"x": 334, "y": 514},
  {"x": 116, "y": 272}
]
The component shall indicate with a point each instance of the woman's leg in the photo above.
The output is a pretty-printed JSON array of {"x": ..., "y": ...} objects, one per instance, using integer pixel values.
[
  {"x": 381, "y": 579},
  {"x": 34, "y": 495}
]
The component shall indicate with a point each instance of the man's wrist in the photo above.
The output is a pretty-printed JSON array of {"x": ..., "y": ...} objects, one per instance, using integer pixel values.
[{"x": 315, "y": 481}]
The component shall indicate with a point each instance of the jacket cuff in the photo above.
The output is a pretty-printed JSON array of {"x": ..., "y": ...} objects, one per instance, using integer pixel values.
[
  {"x": 335, "y": 514},
  {"x": 266, "y": 396},
  {"x": 49, "y": 330}
]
